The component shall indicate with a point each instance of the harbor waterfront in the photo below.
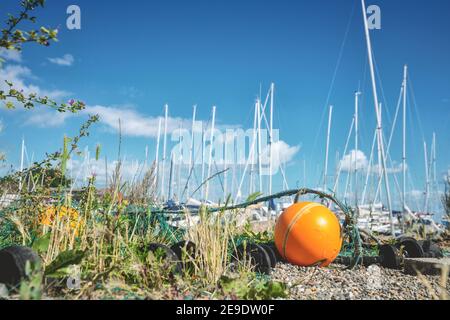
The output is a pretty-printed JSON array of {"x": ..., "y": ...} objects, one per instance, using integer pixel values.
[{"x": 229, "y": 151}]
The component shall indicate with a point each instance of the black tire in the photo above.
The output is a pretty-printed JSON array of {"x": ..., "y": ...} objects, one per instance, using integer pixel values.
[
  {"x": 278, "y": 256},
  {"x": 12, "y": 264},
  {"x": 185, "y": 250},
  {"x": 167, "y": 255},
  {"x": 410, "y": 247},
  {"x": 183, "y": 247},
  {"x": 390, "y": 257},
  {"x": 271, "y": 255},
  {"x": 257, "y": 255},
  {"x": 431, "y": 249}
]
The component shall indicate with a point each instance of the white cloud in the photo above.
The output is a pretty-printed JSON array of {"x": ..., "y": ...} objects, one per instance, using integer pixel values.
[
  {"x": 282, "y": 153},
  {"x": 45, "y": 117},
  {"x": 396, "y": 168},
  {"x": 80, "y": 170},
  {"x": 285, "y": 152},
  {"x": 132, "y": 122},
  {"x": 66, "y": 61},
  {"x": 11, "y": 55},
  {"x": 358, "y": 158},
  {"x": 20, "y": 76},
  {"x": 354, "y": 158}
]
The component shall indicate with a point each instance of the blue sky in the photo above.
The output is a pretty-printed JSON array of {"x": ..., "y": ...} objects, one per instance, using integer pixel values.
[{"x": 135, "y": 56}]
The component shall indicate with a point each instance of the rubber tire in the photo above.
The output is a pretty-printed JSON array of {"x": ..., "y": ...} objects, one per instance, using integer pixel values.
[
  {"x": 278, "y": 256},
  {"x": 390, "y": 256},
  {"x": 13, "y": 262},
  {"x": 411, "y": 246},
  {"x": 178, "y": 249},
  {"x": 431, "y": 249},
  {"x": 169, "y": 255},
  {"x": 272, "y": 256},
  {"x": 258, "y": 256}
]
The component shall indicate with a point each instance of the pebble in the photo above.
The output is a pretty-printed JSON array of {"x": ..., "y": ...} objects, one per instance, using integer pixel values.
[
  {"x": 372, "y": 283},
  {"x": 3, "y": 291}
]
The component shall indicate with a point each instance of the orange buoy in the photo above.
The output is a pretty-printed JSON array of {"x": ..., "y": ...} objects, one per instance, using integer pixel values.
[{"x": 308, "y": 234}]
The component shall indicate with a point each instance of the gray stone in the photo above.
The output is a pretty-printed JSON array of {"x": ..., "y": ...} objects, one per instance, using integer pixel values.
[
  {"x": 3, "y": 291},
  {"x": 356, "y": 284}
]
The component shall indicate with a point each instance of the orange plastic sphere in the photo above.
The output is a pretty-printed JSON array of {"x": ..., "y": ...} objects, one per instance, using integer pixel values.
[{"x": 308, "y": 234}]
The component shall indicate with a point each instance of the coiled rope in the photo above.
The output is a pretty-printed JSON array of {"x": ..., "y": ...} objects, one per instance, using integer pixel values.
[{"x": 350, "y": 229}]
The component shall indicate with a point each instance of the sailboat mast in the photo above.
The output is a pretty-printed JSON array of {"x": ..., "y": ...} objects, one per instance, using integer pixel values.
[
  {"x": 405, "y": 76},
  {"x": 225, "y": 163},
  {"x": 169, "y": 194},
  {"x": 166, "y": 116},
  {"x": 379, "y": 121},
  {"x": 22, "y": 155},
  {"x": 252, "y": 151},
  {"x": 357, "y": 94},
  {"x": 272, "y": 89},
  {"x": 427, "y": 180},
  {"x": 158, "y": 140},
  {"x": 369, "y": 168},
  {"x": 434, "y": 174},
  {"x": 180, "y": 162},
  {"x": 203, "y": 160},
  {"x": 339, "y": 171},
  {"x": 191, "y": 149},
  {"x": 325, "y": 171},
  {"x": 210, "y": 151},
  {"x": 259, "y": 147}
]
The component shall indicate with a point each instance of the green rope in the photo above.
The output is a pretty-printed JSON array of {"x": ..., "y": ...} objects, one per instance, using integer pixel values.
[{"x": 350, "y": 228}]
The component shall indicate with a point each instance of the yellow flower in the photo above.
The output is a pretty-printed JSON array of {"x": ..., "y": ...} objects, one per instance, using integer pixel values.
[{"x": 51, "y": 212}]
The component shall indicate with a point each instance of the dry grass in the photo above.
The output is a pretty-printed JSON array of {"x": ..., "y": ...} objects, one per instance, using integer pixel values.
[{"x": 442, "y": 292}]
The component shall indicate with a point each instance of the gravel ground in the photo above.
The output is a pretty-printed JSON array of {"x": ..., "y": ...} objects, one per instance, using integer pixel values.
[{"x": 373, "y": 283}]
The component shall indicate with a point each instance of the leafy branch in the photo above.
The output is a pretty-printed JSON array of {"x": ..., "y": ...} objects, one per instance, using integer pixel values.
[
  {"x": 29, "y": 100},
  {"x": 49, "y": 159},
  {"x": 13, "y": 38}
]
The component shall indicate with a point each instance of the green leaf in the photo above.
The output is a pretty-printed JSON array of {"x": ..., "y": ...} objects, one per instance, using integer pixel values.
[
  {"x": 237, "y": 286},
  {"x": 65, "y": 259},
  {"x": 9, "y": 105},
  {"x": 277, "y": 290},
  {"x": 60, "y": 274},
  {"x": 41, "y": 244},
  {"x": 44, "y": 30},
  {"x": 256, "y": 289},
  {"x": 97, "y": 152}
]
